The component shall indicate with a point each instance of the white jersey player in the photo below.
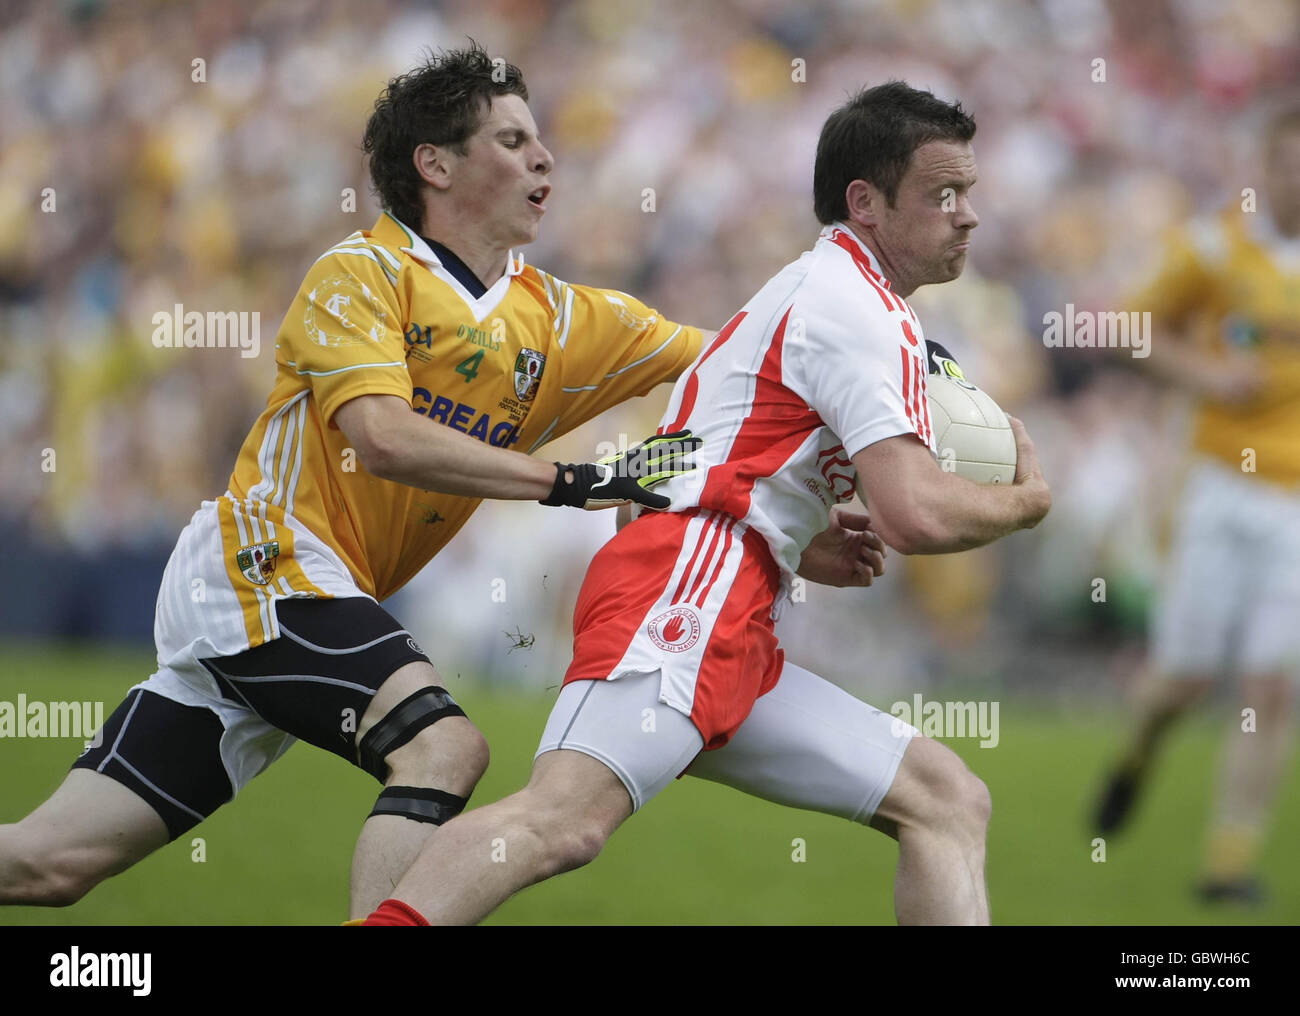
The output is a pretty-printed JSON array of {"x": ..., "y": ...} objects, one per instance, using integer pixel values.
[
  {"x": 824, "y": 361},
  {"x": 812, "y": 392}
]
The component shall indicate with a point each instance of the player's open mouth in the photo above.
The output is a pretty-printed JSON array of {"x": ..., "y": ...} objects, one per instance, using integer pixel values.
[{"x": 538, "y": 197}]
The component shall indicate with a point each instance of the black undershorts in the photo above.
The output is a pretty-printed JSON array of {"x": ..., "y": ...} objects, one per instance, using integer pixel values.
[{"x": 314, "y": 682}]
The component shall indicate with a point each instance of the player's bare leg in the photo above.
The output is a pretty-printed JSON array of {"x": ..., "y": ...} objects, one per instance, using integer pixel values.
[
  {"x": 92, "y": 827},
  {"x": 1161, "y": 701},
  {"x": 1249, "y": 773},
  {"x": 560, "y": 821},
  {"x": 938, "y": 810},
  {"x": 450, "y": 755}
]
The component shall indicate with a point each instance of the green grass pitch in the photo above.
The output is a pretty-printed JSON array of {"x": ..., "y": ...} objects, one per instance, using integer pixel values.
[{"x": 698, "y": 854}]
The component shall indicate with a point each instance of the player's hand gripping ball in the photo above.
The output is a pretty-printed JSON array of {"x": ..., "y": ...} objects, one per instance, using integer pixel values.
[{"x": 971, "y": 432}]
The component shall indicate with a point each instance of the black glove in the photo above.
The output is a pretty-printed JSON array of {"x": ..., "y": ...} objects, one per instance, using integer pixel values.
[{"x": 628, "y": 477}]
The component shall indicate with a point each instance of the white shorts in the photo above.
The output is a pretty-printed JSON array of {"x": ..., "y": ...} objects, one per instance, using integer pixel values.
[
  {"x": 1231, "y": 594},
  {"x": 199, "y": 617},
  {"x": 807, "y": 743},
  {"x": 200, "y": 613}
]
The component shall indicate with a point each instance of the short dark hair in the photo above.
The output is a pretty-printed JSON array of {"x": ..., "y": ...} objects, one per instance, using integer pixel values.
[
  {"x": 442, "y": 102},
  {"x": 872, "y": 137}
]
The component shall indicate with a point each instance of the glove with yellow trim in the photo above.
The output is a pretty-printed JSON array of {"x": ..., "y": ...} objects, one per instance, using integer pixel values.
[{"x": 628, "y": 477}]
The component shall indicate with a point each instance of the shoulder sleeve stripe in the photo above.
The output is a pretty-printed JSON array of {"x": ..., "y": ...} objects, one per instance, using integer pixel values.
[
  {"x": 344, "y": 370},
  {"x": 361, "y": 249},
  {"x": 550, "y": 290},
  {"x": 393, "y": 263},
  {"x": 637, "y": 363},
  {"x": 558, "y": 305},
  {"x": 622, "y": 370},
  {"x": 355, "y": 240},
  {"x": 365, "y": 252},
  {"x": 567, "y": 316}
]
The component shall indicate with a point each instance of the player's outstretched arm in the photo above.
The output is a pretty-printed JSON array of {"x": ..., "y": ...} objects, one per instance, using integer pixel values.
[
  {"x": 396, "y": 444},
  {"x": 1233, "y": 377},
  {"x": 919, "y": 509}
]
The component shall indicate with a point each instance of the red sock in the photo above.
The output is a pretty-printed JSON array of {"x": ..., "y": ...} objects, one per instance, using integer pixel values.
[{"x": 395, "y": 913}]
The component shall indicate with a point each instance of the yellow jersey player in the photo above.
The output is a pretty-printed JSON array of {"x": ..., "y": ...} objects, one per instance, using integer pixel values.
[
  {"x": 1230, "y": 285},
  {"x": 418, "y": 365}
]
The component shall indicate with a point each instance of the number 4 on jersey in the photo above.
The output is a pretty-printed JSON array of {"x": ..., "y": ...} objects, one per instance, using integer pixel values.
[{"x": 469, "y": 366}]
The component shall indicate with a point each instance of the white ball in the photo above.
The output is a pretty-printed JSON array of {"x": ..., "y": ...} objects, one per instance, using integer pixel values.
[{"x": 972, "y": 434}]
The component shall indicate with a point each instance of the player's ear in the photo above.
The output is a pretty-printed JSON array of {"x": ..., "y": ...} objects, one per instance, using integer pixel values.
[
  {"x": 434, "y": 164},
  {"x": 864, "y": 203}
]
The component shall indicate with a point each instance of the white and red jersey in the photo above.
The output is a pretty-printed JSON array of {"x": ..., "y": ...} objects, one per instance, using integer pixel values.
[{"x": 822, "y": 362}]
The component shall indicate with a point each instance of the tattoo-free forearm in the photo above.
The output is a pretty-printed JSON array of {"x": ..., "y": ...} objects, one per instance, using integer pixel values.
[
  {"x": 434, "y": 457},
  {"x": 956, "y": 514},
  {"x": 396, "y": 444}
]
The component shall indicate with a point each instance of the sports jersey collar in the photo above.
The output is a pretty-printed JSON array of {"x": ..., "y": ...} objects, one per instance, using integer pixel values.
[
  {"x": 828, "y": 232},
  {"x": 392, "y": 230}
]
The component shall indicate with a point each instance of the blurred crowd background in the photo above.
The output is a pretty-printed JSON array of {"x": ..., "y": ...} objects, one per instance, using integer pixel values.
[{"x": 127, "y": 187}]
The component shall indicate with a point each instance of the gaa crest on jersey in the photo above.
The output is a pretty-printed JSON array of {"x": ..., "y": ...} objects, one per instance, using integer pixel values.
[
  {"x": 257, "y": 562},
  {"x": 675, "y": 630},
  {"x": 342, "y": 311},
  {"x": 528, "y": 373}
]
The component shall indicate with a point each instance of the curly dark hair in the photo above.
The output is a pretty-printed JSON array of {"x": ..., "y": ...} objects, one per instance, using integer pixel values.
[
  {"x": 442, "y": 102},
  {"x": 872, "y": 137}
]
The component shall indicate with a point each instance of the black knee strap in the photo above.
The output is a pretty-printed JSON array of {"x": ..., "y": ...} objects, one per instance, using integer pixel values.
[
  {"x": 406, "y": 719},
  {"x": 422, "y": 804}
]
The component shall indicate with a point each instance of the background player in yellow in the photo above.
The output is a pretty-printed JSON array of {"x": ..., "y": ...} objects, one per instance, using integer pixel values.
[
  {"x": 1225, "y": 308},
  {"x": 416, "y": 364}
]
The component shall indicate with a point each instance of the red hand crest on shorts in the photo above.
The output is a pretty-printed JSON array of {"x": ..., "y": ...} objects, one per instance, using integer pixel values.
[{"x": 675, "y": 630}]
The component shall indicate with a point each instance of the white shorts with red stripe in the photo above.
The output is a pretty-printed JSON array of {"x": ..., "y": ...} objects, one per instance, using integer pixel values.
[{"x": 690, "y": 595}]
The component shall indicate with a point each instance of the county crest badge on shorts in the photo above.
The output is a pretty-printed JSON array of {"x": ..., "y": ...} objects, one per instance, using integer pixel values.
[
  {"x": 257, "y": 562},
  {"x": 528, "y": 373},
  {"x": 675, "y": 630}
]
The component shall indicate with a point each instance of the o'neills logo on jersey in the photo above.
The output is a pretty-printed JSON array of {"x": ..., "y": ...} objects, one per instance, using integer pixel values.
[
  {"x": 528, "y": 373},
  {"x": 258, "y": 561},
  {"x": 675, "y": 630}
]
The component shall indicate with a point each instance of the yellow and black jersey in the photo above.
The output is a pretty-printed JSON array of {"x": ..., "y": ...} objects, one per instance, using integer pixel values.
[{"x": 527, "y": 361}]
